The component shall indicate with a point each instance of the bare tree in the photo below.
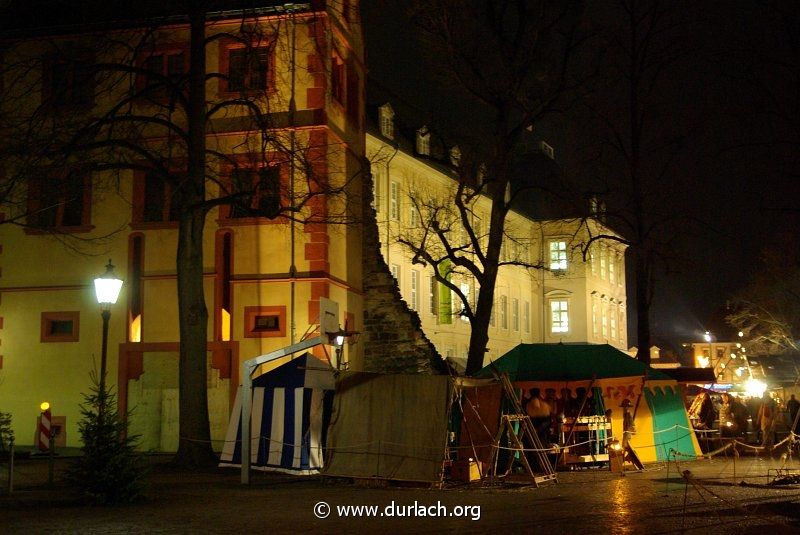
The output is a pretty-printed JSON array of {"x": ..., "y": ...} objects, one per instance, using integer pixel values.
[
  {"x": 510, "y": 62},
  {"x": 151, "y": 113},
  {"x": 638, "y": 168},
  {"x": 767, "y": 310}
]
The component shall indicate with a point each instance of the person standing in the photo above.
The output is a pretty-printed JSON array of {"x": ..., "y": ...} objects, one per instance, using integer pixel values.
[
  {"x": 793, "y": 406},
  {"x": 766, "y": 420},
  {"x": 727, "y": 422},
  {"x": 628, "y": 427}
]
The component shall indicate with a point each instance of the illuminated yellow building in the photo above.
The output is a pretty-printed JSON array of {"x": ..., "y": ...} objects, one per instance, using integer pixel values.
[
  {"x": 303, "y": 67},
  {"x": 570, "y": 301}
]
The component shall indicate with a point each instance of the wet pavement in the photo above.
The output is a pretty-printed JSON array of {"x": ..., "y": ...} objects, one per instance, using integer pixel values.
[{"x": 721, "y": 495}]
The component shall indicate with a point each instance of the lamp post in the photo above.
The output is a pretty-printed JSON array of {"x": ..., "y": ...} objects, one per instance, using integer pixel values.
[{"x": 107, "y": 288}]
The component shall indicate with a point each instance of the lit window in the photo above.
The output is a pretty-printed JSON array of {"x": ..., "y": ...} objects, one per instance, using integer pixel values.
[
  {"x": 558, "y": 255},
  {"x": 492, "y": 315},
  {"x": 466, "y": 291},
  {"x": 593, "y": 261},
  {"x": 515, "y": 313},
  {"x": 503, "y": 312},
  {"x": 433, "y": 305},
  {"x": 595, "y": 316},
  {"x": 413, "y": 216},
  {"x": 415, "y": 289},
  {"x": 394, "y": 201},
  {"x": 377, "y": 178},
  {"x": 526, "y": 317},
  {"x": 613, "y": 322},
  {"x": 612, "y": 269},
  {"x": 396, "y": 273},
  {"x": 603, "y": 261},
  {"x": 604, "y": 321},
  {"x": 559, "y": 316}
]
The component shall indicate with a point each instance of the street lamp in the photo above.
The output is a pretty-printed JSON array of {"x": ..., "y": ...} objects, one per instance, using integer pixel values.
[{"x": 106, "y": 287}]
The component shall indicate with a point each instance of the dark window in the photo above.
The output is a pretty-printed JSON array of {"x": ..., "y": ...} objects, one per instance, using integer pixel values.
[
  {"x": 346, "y": 10},
  {"x": 59, "y": 203},
  {"x": 59, "y": 326},
  {"x": 267, "y": 323},
  {"x": 256, "y": 192},
  {"x": 264, "y": 321},
  {"x": 71, "y": 83},
  {"x": 248, "y": 69},
  {"x": 160, "y": 201},
  {"x": 353, "y": 96},
  {"x": 337, "y": 79},
  {"x": 168, "y": 64}
]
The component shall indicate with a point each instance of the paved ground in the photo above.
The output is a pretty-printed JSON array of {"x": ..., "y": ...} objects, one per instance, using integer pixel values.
[{"x": 723, "y": 495}]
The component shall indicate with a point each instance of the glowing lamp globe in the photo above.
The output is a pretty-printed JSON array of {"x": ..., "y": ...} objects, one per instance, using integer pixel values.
[{"x": 107, "y": 287}]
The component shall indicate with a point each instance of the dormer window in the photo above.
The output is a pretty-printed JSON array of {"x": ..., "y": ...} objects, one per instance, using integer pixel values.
[
  {"x": 387, "y": 121},
  {"x": 455, "y": 156},
  {"x": 424, "y": 141},
  {"x": 547, "y": 150},
  {"x": 481, "y": 174}
]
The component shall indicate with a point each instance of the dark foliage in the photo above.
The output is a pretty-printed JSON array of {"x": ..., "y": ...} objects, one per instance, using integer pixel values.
[{"x": 110, "y": 471}]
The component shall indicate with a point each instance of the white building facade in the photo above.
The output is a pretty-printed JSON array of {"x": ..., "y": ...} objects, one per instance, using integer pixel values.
[{"x": 572, "y": 300}]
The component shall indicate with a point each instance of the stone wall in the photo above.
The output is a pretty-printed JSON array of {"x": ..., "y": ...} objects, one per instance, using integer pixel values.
[{"x": 392, "y": 336}]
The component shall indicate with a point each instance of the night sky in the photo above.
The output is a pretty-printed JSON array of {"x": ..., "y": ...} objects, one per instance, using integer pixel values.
[{"x": 731, "y": 100}]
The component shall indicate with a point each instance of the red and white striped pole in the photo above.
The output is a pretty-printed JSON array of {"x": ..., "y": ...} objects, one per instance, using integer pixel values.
[{"x": 44, "y": 427}]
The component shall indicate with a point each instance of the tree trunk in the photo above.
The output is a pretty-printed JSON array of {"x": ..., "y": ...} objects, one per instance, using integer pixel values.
[
  {"x": 479, "y": 330},
  {"x": 642, "y": 278},
  {"x": 194, "y": 447}
]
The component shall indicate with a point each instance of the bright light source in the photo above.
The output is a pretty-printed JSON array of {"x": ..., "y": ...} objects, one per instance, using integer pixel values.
[
  {"x": 733, "y": 355},
  {"x": 616, "y": 446},
  {"x": 738, "y": 344},
  {"x": 741, "y": 334},
  {"x": 707, "y": 336},
  {"x": 702, "y": 361},
  {"x": 339, "y": 340},
  {"x": 729, "y": 424},
  {"x": 44, "y": 406},
  {"x": 107, "y": 287},
  {"x": 754, "y": 387},
  {"x": 738, "y": 372}
]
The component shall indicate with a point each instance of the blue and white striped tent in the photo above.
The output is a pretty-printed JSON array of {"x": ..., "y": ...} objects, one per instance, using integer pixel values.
[{"x": 291, "y": 408}]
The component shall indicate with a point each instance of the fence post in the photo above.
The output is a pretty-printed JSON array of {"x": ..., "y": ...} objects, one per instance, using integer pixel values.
[
  {"x": 11, "y": 466},
  {"x": 51, "y": 460}
]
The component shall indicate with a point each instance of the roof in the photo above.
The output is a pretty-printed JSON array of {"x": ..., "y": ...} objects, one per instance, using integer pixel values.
[
  {"x": 46, "y": 17},
  {"x": 698, "y": 376},
  {"x": 569, "y": 362}
]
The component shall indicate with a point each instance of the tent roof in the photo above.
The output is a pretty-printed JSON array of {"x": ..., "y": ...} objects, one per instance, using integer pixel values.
[
  {"x": 568, "y": 362},
  {"x": 303, "y": 371}
]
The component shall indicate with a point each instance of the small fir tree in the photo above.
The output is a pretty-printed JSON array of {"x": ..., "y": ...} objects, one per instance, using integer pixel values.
[{"x": 110, "y": 471}]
